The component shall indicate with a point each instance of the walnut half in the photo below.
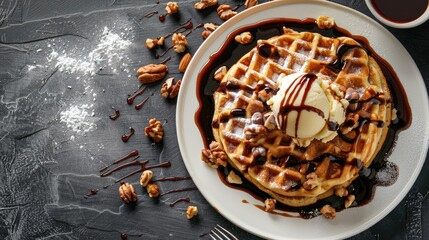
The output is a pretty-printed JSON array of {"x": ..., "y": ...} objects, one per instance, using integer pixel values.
[
  {"x": 214, "y": 156},
  {"x": 225, "y": 12},
  {"x": 203, "y": 4},
  {"x": 191, "y": 212},
  {"x": 127, "y": 193},
  {"x": 154, "y": 130},
  {"x": 328, "y": 211},
  {"x": 180, "y": 43},
  {"x": 172, "y": 7}
]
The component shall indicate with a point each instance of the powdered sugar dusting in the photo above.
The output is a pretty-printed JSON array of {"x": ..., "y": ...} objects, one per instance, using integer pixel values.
[
  {"x": 79, "y": 118},
  {"x": 105, "y": 54},
  {"x": 387, "y": 175}
]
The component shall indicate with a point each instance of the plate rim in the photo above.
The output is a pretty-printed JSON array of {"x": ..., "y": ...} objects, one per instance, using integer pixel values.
[{"x": 226, "y": 27}]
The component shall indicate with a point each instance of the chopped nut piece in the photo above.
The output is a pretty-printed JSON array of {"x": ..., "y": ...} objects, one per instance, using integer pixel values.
[
  {"x": 152, "y": 43},
  {"x": 175, "y": 89},
  {"x": 220, "y": 73},
  {"x": 311, "y": 182},
  {"x": 172, "y": 7},
  {"x": 191, "y": 212},
  {"x": 349, "y": 201},
  {"x": 146, "y": 177},
  {"x": 180, "y": 43},
  {"x": 169, "y": 89},
  {"x": 341, "y": 192},
  {"x": 152, "y": 73},
  {"x": 244, "y": 38},
  {"x": 153, "y": 190},
  {"x": 203, "y": 4},
  {"x": 208, "y": 29},
  {"x": 154, "y": 130},
  {"x": 224, "y": 11},
  {"x": 184, "y": 62},
  {"x": 325, "y": 22},
  {"x": 214, "y": 156},
  {"x": 127, "y": 193},
  {"x": 328, "y": 212},
  {"x": 270, "y": 122},
  {"x": 233, "y": 178},
  {"x": 149, "y": 43},
  {"x": 250, "y": 3},
  {"x": 270, "y": 204}
]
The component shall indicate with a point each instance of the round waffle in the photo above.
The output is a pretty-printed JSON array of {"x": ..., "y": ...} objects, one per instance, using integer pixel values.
[{"x": 299, "y": 174}]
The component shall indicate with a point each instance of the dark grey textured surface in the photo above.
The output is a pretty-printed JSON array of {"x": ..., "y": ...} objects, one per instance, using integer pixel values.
[{"x": 46, "y": 168}]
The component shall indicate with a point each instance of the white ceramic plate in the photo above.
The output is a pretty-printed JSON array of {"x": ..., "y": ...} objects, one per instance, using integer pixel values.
[{"x": 409, "y": 153}]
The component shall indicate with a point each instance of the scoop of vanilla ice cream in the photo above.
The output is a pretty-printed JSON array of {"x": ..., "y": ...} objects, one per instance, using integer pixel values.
[{"x": 303, "y": 106}]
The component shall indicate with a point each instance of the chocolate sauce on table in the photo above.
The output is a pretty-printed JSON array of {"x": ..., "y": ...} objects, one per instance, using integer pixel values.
[
  {"x": 127, "y": 136},
  {"x": 139, "y": 92},
  {"x": 185, "y": 199},
  {"x": 400, "y": 11},
  {"x": 115, "y": 116},
  {"x": 364, "y": 186}
]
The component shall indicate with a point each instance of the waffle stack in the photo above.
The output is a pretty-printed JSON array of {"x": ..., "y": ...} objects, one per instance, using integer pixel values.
[{"x": 293, "y": 173}]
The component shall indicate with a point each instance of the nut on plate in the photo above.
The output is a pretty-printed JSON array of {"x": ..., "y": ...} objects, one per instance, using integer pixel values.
[
  {"x": 270, "y": 204},
  {"x": 180, "y": 43},
  {"x": 154, "y": 130},
  {"x": 151, "y": 73},
  {"x": 169, "y": 89},
  {"x": 349, "y": 201},
  {"x": 172, "y": 7},
  {"x": 208, "y": 29},
  {"x": 220, "y": 73},
  {"x": 127, "y": 193},
  {"x": 191, "y": 212},
  {"x": 203, "y": 4},
  {"x": 153, "y": 190},
  {"x": 225, "y": 12},
  {"x": 184, "y": 62},
  {"x": 244, "y": 38},
  {"x": 214, "y": 156},
  {"x": 328, "y": 211},
  {"x": 325, "y": 22},
  {"x": 233, "y": 178},
  {"x": 146, "y": 177},
  {"x": 311, "y": 181}
]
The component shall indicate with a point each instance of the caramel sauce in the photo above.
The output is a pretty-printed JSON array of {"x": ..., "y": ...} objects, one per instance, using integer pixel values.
[{"x": 230, "y": 52}]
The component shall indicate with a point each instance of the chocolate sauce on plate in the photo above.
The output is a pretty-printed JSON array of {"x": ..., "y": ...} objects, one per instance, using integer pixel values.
[{"x": 230, "y": 52}]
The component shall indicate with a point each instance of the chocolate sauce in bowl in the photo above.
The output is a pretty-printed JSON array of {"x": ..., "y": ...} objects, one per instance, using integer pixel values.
[
  {"x": 230, "y": 52},
  {"x": 400, "y": 11}
]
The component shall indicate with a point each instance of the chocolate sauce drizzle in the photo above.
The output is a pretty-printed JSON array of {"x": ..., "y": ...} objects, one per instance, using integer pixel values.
[
  {"x": 115, "y": 116},
  {"x": 289, "y": 104},
  {"x": 184, "y": 199},
  {"x": 121, "y": 159},
  {"x": 127, "y": 136},
  {"x": 140, "y": 105},
  {"x": 364, "y": 186},
  {"x": 171, "y": 179},
  {"x": 137, "y": 93},
  {"x": 178, "y": 190},
  {"x": 150, "y": 14},
  {"x": 93, "y": 191}
]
